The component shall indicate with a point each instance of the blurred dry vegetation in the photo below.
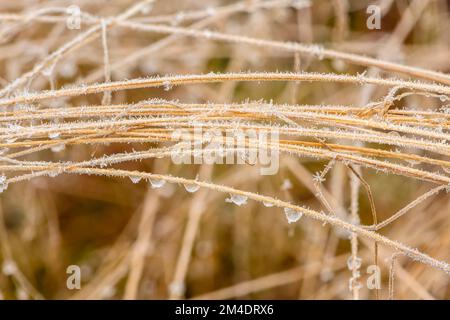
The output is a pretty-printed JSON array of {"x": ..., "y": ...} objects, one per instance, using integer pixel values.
[{"x": 382, "y": 143}]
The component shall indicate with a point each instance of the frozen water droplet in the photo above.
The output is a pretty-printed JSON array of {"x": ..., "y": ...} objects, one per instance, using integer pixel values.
[
  {"x": 292, "y": 215},
  {"x": 353, "y": 263},
  {"x": 443, "y": 98},
  {"x": 237, "y": 199},
  {"x": 135, "y": 179},
  {"x": 167, "y": 85},
  {"x": 58, "y": 147},
  {"x": 353, "y": 283},
  {"x": 394, "y": 134},
  {"x": 156, "y": 184},
  {"x": 191, "y": 187},
  {"x": 267, "y": 204},
  {"x": 342, "y": 233},
  {"x": 53, "y": 135}
]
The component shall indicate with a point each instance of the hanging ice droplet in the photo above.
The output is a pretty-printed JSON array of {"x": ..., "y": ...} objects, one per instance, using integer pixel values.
[
  {"x": 292, "y": 215},
  {"x": 3, "y": 183},
  {"x": 237, "y": 199},
  {"x": 354, "y": 284},
  {"x": 156, "y": 184},
  {"x": 354, "y": 263},
  {"x": 394, "y": 134},
  {"x": 191, "y": 187},
  {"x": 267, "y": 204},
  {"x": 135, "y": 179},
  {"x": 167, "y": 85},
  {"x": 53, "y": 135},
  {"x": 58, "y": 147},
  {"x": 443, "y": 98}
]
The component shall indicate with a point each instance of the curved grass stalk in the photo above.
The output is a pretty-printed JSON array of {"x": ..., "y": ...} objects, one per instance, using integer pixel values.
[
  {"x": 332, "y": 220},
  {"x": 313, "y": 50},
  {"x": 408, "y": 207},
  {"x": 212, "y": 78},
  {"x": 318, "y": 153}
]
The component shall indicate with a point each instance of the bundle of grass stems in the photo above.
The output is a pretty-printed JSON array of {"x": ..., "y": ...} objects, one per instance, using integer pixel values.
[{"x": 86, "y": 140}]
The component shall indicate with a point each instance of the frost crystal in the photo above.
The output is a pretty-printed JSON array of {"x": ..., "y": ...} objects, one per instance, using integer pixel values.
[
  {"x": 167, "y": 85},
  {"x": 3, "y": 183},
  {"x": 317, "y": 177},
  {"x": 135, "y": 179}
]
